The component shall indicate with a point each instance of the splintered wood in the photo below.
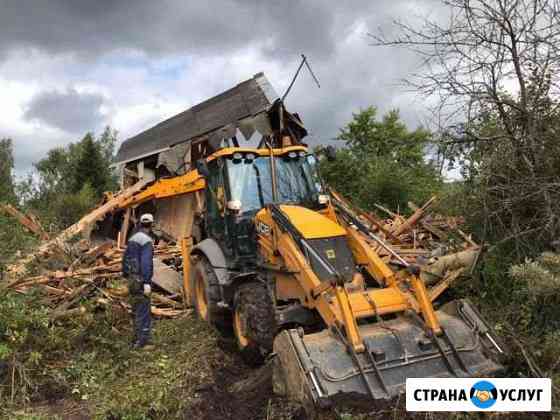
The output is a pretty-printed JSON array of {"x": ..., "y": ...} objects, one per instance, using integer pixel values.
[
  {"x": 431, "y": 241},
  {"x": 81, "y": 228},
  {"x": 90, "y": 277},
  {"x": 29, "y": 221}
]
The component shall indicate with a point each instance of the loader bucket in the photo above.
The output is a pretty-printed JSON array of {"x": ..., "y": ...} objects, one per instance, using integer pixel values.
[{"x": 318, "y": 368}]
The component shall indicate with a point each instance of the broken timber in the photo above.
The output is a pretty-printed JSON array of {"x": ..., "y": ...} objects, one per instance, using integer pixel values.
[{"x": 29, "y": 221}]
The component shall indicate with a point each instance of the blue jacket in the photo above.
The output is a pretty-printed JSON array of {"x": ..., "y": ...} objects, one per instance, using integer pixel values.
[{"x": 139, "y": 257}]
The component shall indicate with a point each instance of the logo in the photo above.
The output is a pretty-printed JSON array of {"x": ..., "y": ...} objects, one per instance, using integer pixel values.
[
  {"x": 331, "y": 255},
  {"x": 478, "y": 394},
  {"x": 483, "y": 394},
  {"x": 262, "y": 228}
]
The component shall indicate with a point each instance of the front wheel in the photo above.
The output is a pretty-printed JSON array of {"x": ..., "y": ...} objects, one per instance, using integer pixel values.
[
  {"x": 205, "y": 291},
  {"x": 254, "y": 323}
]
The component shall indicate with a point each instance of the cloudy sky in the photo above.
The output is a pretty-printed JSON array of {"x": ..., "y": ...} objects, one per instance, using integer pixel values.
[{"x": 68, "y": 67}]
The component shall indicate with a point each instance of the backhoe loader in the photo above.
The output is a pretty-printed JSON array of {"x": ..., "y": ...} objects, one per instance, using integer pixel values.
[{"x": 283, "y": 264}]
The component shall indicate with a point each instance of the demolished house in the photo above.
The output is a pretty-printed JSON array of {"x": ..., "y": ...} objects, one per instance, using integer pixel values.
[
  {"x": 245, "y": 113},
  {"x": 228, "y": 119}
]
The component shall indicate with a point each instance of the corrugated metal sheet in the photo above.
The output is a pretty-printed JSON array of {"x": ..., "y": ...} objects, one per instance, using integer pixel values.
[{"x": 248, "y": 98}]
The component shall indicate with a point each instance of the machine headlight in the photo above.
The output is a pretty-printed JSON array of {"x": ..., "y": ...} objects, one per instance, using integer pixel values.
[{"x": 323, "y": 199}]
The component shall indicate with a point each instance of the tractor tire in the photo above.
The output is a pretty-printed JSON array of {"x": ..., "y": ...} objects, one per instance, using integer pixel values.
[
  {"x": 206, "y": 295},
  {"x": 254, "y": 322}
]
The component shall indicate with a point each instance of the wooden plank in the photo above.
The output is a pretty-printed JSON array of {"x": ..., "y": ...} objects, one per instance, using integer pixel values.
[
  {"x": 416, "y": 216},
  {"x": 123, "y": 234},
  {"x": 83, "y": 226},
  {"x": 166, "y": 277},
  {"x": 444, "y": 284},
  {"x": 440, "y": 234}
]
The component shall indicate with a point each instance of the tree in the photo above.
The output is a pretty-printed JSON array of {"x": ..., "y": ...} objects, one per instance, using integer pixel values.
[
  {"x": 72, "y": 179},
  {"x": 494, "y": 67},
  {"x": 90, "y": 167},
  {"x": 6, "y": 171},
  {"x": 383, "y": 162}
]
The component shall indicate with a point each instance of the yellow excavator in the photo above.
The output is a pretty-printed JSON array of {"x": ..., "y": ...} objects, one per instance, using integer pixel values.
[{"x": 275, "y": 259}]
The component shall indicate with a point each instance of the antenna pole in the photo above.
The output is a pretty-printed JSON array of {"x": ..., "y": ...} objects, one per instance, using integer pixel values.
[{"x": 303, "y": 61}]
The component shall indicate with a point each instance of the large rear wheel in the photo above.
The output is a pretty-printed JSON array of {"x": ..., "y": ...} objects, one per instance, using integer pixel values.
[{"x": 205, "y": 291}]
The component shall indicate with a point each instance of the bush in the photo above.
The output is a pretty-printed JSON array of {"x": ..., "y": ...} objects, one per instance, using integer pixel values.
[
  {"x": 69, "y": 208},
  {"x": 24, "y": 326},
  {"x": 383, "y": 162}
]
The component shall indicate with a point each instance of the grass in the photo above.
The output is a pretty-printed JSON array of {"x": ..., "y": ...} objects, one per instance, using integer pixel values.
[{"x": 90, "y": 371}]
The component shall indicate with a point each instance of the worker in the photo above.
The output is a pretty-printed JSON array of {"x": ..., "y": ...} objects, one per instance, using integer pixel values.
[{"x": 138, "y": 267}]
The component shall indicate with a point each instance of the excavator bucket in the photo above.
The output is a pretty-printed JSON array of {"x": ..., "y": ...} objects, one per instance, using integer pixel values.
[{"x": 319, "y": 368}]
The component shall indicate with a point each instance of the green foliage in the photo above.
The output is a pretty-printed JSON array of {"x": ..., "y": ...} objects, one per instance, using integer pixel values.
[
  {"x": 23, "y": 327},
  {"x": 509, "y": 158},
  {"x": 90, "y": 167},
  {"x": 21, "y": 322},
  {"x": 69, "y": 181},
  {"x": 6, "y": 171},
  {"x": 71, "y": 207},
  {"x": 13, "y": 239},
  {"x": 383, "y": 162},
  {"x": 540, "y": 292},
  {"x": 88, "y": 361}
]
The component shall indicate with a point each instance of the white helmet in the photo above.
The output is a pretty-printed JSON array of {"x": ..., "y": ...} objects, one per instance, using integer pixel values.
[{"x": 146, "y": 218}]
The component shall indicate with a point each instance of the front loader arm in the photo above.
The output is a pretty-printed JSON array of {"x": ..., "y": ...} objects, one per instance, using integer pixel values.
[
  {"x": 380, "y": 271},
  {"x": 334, "y": 313},
  {"x": 165, "y": 188}
]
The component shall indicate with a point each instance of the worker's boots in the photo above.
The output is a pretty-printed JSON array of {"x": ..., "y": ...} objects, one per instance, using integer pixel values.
[{"x": 140, "y": 346}]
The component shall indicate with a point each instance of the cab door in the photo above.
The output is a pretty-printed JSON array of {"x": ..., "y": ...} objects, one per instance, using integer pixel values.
[{"x": 215, "y": 203}]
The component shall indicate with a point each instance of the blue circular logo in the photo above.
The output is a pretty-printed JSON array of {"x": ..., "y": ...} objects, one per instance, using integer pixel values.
[{"x": 483, "y": 394}]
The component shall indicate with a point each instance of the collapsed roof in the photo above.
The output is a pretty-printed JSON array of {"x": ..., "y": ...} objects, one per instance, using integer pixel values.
[{"x": 241, "y": 107}]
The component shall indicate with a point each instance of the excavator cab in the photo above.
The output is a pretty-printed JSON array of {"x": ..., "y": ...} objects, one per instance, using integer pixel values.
[{"x": 240, "y": 183}]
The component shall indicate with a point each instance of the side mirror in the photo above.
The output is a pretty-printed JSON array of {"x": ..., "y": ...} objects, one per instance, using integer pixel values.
[
  {"x": 330, "y": 152},
  {"x": 202, "y": 168}
]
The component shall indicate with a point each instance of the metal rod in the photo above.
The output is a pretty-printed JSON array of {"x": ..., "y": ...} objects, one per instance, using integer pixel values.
[
  {"x": 273, "y": 174},
  {"x": 367, "y": 231},
  {"x": 454, "y": 352},
  {"x": 303, "y": 61},
  {"x": 494, "y": 342},
  {"x": 356, "y": 361},
  {"x": 376, "y": 370},
  {"x": 293, "y": 79},
  {"x": 315, "y": 384},
  {"x": 311, "y": 71}
]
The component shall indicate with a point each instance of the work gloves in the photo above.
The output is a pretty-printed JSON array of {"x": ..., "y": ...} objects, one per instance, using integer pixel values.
[{"x": 147, "y": 290}]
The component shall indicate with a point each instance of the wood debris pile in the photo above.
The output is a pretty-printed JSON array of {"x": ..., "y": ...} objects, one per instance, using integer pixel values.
[
  {"x": 432, "y": 241},
  {"x": 80, "y": 276},
  {"x": 423, "y": 234}
]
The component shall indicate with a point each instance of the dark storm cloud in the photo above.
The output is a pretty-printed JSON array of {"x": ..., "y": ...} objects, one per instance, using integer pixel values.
[
  {"x": 68, "y": 110},
  {"x": 158, "y": 27},
  {"x": 98, "y": 37}
]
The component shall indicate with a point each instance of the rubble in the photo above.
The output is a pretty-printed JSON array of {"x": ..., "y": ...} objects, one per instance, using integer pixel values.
[
  {"x": 90, "y": 276},
  {"x": 427, "y": 239},
  {"x": 81, "y": 228},
  {"x": 73, "y": 274}
]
